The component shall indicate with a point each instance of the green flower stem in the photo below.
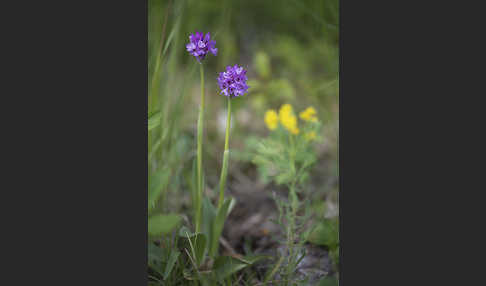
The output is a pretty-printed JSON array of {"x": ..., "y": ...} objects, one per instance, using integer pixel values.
[
  {"x": 292, "y": 152},
  {"x": 199, "y": 154},
  {"x": 224, "y": 170},
  {"x": 294, "y": 204},
  {"x": 291, "y": 231},
  {"x": 293, "y": 196}
]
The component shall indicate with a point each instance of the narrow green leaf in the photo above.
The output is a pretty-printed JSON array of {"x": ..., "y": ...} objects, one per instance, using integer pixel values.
[
  {"x": 154, "y": 149},
  {"x": 218, "y": 225},
  {"x": 169, "y": 40},
  {"x": 271, "y": 273},
  {"x": 170, "y": 264},
  {"x": 231, "y": 206},
  {"x": 154, "y": 120},
  {"x": 198, "y": 243},
  {"x": 251, "y": 259}
]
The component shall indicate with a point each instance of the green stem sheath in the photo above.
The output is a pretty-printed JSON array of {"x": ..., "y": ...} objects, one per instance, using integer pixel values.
[
  {"x": 224, "y": 170},
  {"x": 199, "y": 154}
]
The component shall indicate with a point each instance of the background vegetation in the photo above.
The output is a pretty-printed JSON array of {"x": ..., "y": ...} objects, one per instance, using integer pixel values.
[{"x": 290, "y": 49}]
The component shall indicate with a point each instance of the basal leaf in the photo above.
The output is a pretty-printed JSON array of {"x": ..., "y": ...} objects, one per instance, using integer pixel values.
[
  {"x": 225, "y": 266},
  {"x": 157, "y": 182},
  {"x": 155, "y": 253},
  {"x": 162, "y": 224},
  {"x": 209, "y": 213}
]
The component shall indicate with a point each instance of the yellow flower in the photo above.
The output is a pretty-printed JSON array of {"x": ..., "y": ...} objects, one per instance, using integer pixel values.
[
  {"x": 288, "y": 119},
  {"x": 310, "y": 135},
  {"x": 285, "y": 110},
  {"x": 271, "y": 119},
  {"x": 309, "y": 114}
]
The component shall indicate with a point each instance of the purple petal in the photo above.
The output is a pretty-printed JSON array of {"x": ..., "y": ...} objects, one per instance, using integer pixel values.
[{"x": 190, "y": 47}]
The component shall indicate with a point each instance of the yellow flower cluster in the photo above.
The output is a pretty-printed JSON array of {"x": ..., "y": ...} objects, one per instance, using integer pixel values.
[
  {"x": 309, "y": 114},
  {"x": 288, "y": 119},
  {"x": 271, "y": 119}
]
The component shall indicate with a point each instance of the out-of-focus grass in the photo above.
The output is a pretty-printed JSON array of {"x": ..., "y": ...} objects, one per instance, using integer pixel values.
[{"x": 167, "y": 147}]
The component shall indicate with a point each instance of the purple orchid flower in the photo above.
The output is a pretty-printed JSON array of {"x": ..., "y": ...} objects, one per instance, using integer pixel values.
[
  {"x": 232, "y": 82},
  {"x": 199, "y": 46}
]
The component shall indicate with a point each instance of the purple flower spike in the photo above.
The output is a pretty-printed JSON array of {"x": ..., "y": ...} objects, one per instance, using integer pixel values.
[
  {"x": 200, "y": 45},
  {"x": 232, "y": 82}
]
